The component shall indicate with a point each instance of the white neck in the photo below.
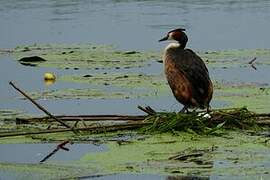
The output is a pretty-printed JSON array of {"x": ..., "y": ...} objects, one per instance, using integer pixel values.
[{"x": 172, "y": 45}]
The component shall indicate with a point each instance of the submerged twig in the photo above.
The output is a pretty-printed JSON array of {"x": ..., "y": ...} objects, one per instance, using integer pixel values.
[
  {"x": 38, "y": 105},
  {"x": 252, "y": 63},
  {"x": 58, "y": 147}
]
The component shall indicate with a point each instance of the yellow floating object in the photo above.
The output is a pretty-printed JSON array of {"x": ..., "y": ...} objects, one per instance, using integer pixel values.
[{"x": 49, "y": 77}]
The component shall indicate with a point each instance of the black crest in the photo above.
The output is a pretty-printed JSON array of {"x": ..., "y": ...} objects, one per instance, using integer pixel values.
[{"x": 179, "y": 29}]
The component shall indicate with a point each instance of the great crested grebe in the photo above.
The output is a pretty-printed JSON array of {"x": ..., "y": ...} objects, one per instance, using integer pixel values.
[{"x": 186, "y": 73}]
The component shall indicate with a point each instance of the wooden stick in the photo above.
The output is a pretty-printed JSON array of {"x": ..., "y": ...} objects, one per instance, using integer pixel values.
[
  {"x": 38, "y": 105},
  {"x": 104, "y": 117},
  {"x": 108, "y": 128},
  {"x": 83, "y": 118},
  {"x": 88, "y": 118},
  {"x": 252, "y": 61}
]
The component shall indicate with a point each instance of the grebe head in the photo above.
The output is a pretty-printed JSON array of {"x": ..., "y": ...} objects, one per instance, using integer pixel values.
[{"x": 178, "y": 35}]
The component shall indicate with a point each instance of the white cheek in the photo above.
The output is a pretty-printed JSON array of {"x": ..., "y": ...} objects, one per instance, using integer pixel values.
[{"x": 170, "y": 37}]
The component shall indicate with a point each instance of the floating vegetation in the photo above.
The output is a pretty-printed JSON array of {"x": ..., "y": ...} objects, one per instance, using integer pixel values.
[
  {"x": 77, "y": 94},
  {"x": 138, "y": 85},
  {"x": 90, "y": 93},
  {"x": 43, "y": 171},
  {"x": 131, "y": 80},
  {"x": 84, "y": 56},
  {"x": 8, "y": 114},
  {"x": 224, "y": 143},
  {"x": 166, "y": 145},
  {"x": 89, "y": 56},
  {"x": 235, "y": 154},
  {"x": 202, "y": 123},
  {"x": 255, "y": 97},
  {"x": 235, "y": 57},
  {"x": 128, "y": 81}
]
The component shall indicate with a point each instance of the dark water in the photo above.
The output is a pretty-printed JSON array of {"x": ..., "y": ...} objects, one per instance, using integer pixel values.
[{"x": 136, "y": 24}]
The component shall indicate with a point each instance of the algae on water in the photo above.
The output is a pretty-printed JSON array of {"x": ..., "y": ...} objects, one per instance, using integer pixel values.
[
  {"x": 85, "y": 56},
  {"x": 255, "y": 98},
  {"x": 153, "y": 155},
  {"x": 107, "y": 72},
  {"x": 235, "y": 153}
]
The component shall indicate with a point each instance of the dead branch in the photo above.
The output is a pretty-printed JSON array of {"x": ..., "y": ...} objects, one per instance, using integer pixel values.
[
  {"x": 252, "y": 61},
  {"x": 38, "y": 105},
  {"x": 147, "y": 110},
  {"x": 85, "y": 118}
]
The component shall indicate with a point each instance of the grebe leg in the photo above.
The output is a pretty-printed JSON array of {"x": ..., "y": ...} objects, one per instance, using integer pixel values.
[
  {"x": 184, "y": 110},
  {"x": 208, "y": 109}
]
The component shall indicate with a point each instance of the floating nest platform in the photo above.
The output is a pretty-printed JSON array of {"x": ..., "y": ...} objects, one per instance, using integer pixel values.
[{"x": 198, "y": 122}]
